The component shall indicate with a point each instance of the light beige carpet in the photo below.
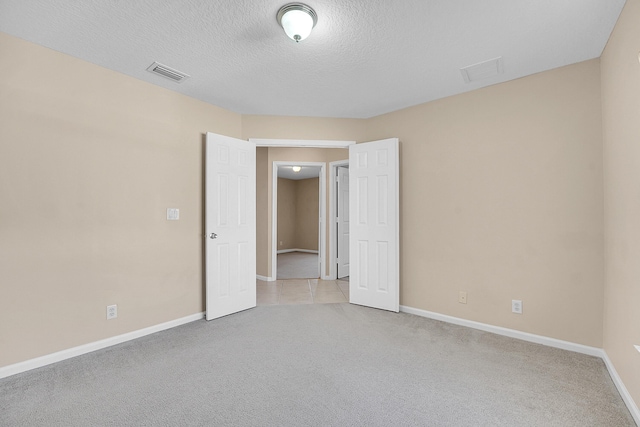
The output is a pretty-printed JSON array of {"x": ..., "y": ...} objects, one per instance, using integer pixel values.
[
  {"x": 318, "y": 365},
  {"x": 297, "y": 265}
]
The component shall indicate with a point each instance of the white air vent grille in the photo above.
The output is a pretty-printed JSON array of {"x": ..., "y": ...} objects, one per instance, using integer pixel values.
[
  {"x": 482, "y": 70},
  {"x": 167, "y": 72}
]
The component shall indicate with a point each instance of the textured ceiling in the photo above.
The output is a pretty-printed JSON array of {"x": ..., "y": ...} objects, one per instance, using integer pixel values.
[{"x": 364, "y": 57}]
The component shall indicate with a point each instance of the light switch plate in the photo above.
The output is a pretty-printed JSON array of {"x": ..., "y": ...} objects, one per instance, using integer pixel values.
[
  {"x": 462, "y": 297},
  {"x": 173, "y": 214}
]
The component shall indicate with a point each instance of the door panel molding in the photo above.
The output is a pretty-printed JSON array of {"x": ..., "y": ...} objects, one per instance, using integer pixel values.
[
  {"x": 230, "y": 225},
  {"x": 333, "y": 214},
  {"x": 374, "y": 211}
]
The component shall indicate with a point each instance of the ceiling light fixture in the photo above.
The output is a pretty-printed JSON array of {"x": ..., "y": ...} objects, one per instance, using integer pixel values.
[
  {"x": 296, "y": 169},
  {"x": 297, "y": 20}
]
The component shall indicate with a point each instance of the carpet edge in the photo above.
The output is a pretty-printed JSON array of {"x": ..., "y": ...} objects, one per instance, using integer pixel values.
[
  {"x": 538, "y": 339},
  {"x": 622, "y": 389},
  {"x": 512, "y": 333},
  {"x": 38, "y": 362}
]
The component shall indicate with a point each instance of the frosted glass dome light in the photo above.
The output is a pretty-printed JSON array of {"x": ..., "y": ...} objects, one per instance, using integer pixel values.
[{"x": 297, "y": 20}]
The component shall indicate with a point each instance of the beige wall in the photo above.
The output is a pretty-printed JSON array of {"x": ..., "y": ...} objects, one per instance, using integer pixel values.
[
  {"x": 277, "y": 127},
  {"x": 621, "y": 130},
  {"x": 307, "y": 213},
  {"x": 287, "y": 206},
  {"x": 263, "y": 215},
  {"x": 501, "y": 197},
  {"x": 298, "y": 213},
  {"x": 89, "y": 162}
]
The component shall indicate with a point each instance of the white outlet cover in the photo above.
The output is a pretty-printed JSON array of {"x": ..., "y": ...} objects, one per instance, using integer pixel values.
[
  {"x": 637, "y": 347},
  {"x": 516, "y": 306},
  {"x": 173, "y": 214},
  {"x": 112, "y": 311}
]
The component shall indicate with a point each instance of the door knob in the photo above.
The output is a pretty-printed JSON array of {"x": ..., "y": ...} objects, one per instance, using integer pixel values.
[{"x": 213, "y": 236}]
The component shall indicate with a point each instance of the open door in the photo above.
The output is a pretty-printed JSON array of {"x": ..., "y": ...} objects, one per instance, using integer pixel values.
[
  {"x": 374, "y": 224},
  {"x": 343, "y": 222},
  {"x": 230, "y": 225}
]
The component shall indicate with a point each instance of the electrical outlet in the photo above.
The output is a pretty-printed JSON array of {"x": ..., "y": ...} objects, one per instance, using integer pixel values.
[
  {"x": 112, "y": 312},
  {"x": 516, "y": 306},
  {"x": 637, "y": 347},
  {"x": 173, "y": 214},
  {"x": 462, "y": 297}
]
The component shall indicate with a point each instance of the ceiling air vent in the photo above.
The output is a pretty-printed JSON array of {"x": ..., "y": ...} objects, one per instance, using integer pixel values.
[
  {"x": 167, "y": 72},
  {"x": 482, "y": 70}
]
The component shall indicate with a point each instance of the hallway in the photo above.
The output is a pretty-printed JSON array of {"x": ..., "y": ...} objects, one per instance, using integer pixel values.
[
  {"x": 297, "y": 265},
  {"x": 302, "y": 291}
]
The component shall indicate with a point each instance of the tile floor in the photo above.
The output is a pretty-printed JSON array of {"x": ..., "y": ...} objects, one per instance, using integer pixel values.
[{"x": 302, "y": 291}]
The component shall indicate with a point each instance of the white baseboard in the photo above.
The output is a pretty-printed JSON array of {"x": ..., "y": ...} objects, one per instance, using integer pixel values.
[
  {"x": 539, "y": 339},
  {"x": 38, "y": 362},
  {"x": 628, "y": 400},
  {"x": 286, "y": 251},
  {"x": 525, "y": 336}
]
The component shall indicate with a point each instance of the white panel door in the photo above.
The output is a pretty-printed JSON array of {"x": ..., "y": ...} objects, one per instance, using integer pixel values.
[
  {"x": 374, "y": 224},
  {"x": 343, "y": 222},
  {"x": 230, "y": 225}
]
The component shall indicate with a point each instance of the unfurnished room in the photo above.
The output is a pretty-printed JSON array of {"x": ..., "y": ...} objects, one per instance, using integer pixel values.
[{"x": 320, "y": 213}]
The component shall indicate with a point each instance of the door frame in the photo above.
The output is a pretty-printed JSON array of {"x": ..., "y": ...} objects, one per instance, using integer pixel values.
[
  {"x": 333, "y": 206},
  {"x": 297, "y": 143},
  {"x": 322, "y": 225}
]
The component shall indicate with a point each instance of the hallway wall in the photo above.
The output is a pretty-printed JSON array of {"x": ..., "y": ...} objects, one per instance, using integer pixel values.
[
  {"x": 621, "y": 115},
  {"x": 307, "y": 209},
  {"x": 298, "y": 213}
]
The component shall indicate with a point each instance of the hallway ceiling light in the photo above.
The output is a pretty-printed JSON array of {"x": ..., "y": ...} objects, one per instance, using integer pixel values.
[
  {"x": 296, "y": 168},
  {"x": 297, "y": 20}
]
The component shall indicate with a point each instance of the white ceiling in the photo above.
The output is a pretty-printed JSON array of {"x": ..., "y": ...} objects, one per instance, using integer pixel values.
[
  {"x": 364, "y": 57},
  {"x": 306, "y": 172}
]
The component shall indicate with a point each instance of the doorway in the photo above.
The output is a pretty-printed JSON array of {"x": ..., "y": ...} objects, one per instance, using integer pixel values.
[
  {"x": 339, "y": 223},
  {"x": 286, "y": 151},
  {"x": 373, "y": 213},
  {"x": 297, "y": 199}
]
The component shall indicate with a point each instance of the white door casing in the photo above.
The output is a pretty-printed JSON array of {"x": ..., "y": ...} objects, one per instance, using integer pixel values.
[
  {"x": 374, "y": 226},
  {"x": 343, "y": 222},
  {"x": 230, "y": 225},
  {"x": 298, "y": 143}
]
